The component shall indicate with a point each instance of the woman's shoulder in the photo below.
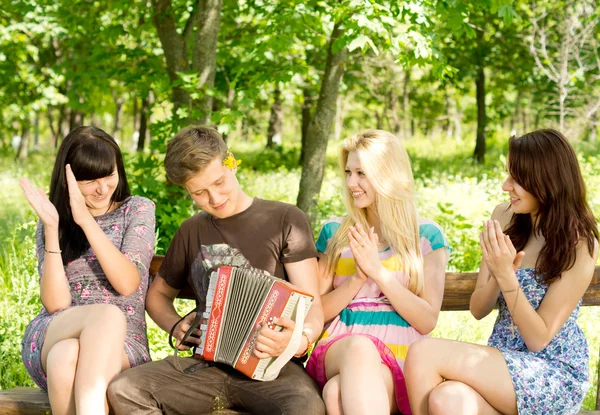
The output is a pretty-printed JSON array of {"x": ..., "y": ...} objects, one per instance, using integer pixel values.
[
  {"x": 328, "y": 229},
  {"x": 431, "y": 232},
  {"x": 428, "y": 226},
  {"x": 139, "y": 202},
  {"x": 331, "y": 225}
]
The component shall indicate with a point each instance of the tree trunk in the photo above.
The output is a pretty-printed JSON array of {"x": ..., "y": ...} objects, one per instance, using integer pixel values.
[
  {"x": 378, "y": 120},
  {"x": 457, "y": 121},
  {"x": 174, "y": 48},
  {"x": 396, "y": 125},
  {"x": 57, "y": 133},
  {"x": 406, "y": 122},
  {"x": 143, "y": 124},
  {"x": 195, "y": 50},
  {"x": 479, "y": 153},
  {"x": 119, "y": 101},
  {"x": 306, "y": 108},
  {"x": 318, "y": 131},
  {"x": 24, "y": 143},
  {"x": 53, "y": 131},
  {"x": 449, "y": 110},
  {"x": 72, "y": 119},
  {"x": 204, "y": 60},
  {"x": 339, "y": 119},
  {"x": 80, "y": 119},
  {"x": 593, "y": 128},
  {"x": 245, "y": 129},
  {"x": 275, "y": 120},
  {"x": 536, "y": 123},
  {"x": 136, "y": 120},
  {"x": 516, "y": 113},
  {"x": 36, "y": 132}
]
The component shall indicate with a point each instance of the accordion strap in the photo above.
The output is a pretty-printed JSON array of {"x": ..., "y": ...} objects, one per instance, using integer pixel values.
[
  {"x": 187, "y": 334},
  {"x": 274, "y": 368}
]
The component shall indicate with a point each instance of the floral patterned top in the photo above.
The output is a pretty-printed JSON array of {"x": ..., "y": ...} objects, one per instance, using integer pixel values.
[
  {"x": 130, "y": 228},
  {"x": 555, "y": 379}
]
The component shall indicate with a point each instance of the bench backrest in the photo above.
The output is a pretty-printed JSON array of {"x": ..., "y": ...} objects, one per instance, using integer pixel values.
[{"x": 457, "y": 294}]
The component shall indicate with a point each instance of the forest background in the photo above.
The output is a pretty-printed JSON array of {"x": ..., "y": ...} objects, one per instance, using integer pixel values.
[{"x": 285, "y": 82}]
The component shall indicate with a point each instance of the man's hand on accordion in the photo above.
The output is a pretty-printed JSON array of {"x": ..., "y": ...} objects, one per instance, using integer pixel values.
[
  {"x": 182, "y": 328},
  {"x": 271, "y": 342}
]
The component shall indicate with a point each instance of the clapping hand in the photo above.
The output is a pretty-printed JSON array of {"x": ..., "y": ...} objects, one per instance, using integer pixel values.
[
  {"x": 364, "y": 247},
  {"x": 40, "y": 203},
  {"x": 79, "y": 209},
  {"x": 499, "y": 253}
]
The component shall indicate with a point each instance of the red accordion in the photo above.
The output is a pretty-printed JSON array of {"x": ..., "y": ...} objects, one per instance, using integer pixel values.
[{"x": 238, "y": 300}]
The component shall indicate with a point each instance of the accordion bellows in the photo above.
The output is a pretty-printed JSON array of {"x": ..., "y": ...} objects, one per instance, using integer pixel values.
[{"x": 237, "y": 302}]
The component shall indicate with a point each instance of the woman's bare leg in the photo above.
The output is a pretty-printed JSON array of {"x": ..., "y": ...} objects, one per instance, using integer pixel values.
[
  {"x": 332, "y": 396},
  {"x": 482, "y": 368},
  {"x": 99, "y": 330},
  {"x": 457, "y": 398},
  {"x": 365, "y": 384},
  {"x": 61, "y": 365}
]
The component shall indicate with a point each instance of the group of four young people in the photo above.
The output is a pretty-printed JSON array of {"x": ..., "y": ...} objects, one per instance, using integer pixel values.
[{"x": 377, "y": 276}]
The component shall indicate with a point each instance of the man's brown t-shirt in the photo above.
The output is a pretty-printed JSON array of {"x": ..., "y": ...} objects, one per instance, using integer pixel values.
[{"x": 268, "y": 233}]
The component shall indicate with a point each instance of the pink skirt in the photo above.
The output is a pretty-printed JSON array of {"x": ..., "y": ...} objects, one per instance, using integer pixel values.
[{"x": 316, "y": 367}]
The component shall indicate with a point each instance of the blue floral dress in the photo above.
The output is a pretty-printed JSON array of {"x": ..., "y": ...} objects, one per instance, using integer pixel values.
[
  {"x": 555, "y": 379},
  {"x": 131, "y": 228}
]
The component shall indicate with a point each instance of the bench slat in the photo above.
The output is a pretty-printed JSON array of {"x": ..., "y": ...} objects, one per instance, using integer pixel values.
[
  {"x": 460, "y": 286},
  {"x": 457, "y": 293},
  {"x": 24, "y": 401}
]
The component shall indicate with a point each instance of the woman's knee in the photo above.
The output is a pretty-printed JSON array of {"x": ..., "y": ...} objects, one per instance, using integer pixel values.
[
  {"x": 360, "y": 347},
  {"x": 445, "y": 397},
  {"x": 332, "y": 395},
  {"x": 109, "y": 315},
  {"x": 61, "y": 362},
  {"x": 419, "y": 356}
]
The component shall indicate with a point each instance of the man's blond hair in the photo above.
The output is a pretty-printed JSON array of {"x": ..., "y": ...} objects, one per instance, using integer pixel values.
[{"x": 191, "y": 150}]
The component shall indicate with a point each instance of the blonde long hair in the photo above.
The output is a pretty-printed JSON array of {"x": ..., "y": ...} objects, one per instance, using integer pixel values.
[{"x": 386, "y": 164}]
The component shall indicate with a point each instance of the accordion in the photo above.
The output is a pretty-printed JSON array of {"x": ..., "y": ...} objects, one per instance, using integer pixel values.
[{"x": 237, "y": 301}]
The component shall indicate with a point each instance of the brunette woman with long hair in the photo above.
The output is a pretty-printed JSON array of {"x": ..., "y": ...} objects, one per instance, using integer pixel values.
[
  {"x": 539, "y": 252},
  {"x": 94, "y": 246}
]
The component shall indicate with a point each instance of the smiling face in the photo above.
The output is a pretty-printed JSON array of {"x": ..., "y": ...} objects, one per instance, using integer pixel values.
[
  {"x": 98, "y": 193},
  {"x": 216, "y": 190},
  {"x": 358, "y": 183},
  {"x": 521, "y": 201}
]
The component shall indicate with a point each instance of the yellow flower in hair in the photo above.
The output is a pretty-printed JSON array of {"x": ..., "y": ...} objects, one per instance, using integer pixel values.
[{"x": 230, "y": 162}]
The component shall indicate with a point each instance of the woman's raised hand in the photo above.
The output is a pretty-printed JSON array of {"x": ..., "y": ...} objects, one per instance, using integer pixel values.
[
  {"x": 79, "y": 209},
  {"x": 40, "y": 203},
  {"x": 498, "y": 251},
  {"x": 364, "y": 249}
]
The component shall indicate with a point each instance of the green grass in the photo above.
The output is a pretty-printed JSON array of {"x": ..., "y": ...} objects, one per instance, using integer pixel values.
[{"x": 452, "y": 191}]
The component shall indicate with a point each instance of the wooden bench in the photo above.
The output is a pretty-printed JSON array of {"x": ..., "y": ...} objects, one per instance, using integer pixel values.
[{"x": 459, "y": 286}]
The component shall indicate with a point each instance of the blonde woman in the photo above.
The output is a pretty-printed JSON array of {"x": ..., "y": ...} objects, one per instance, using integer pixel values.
[{"x": 383, "y": 270}]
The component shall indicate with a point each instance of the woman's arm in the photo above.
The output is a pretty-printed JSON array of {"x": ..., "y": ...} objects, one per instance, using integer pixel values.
[
  {"x": 421, "y": 311},
  {"x": 54, "y": 287},
  {"x": 538, "y": 328},
  {"x": 120, "y": 271},
  {"x": 55, "y": 292},
  {"x": 485, "y": 295},
  {"x": 335, "y": 300}
]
